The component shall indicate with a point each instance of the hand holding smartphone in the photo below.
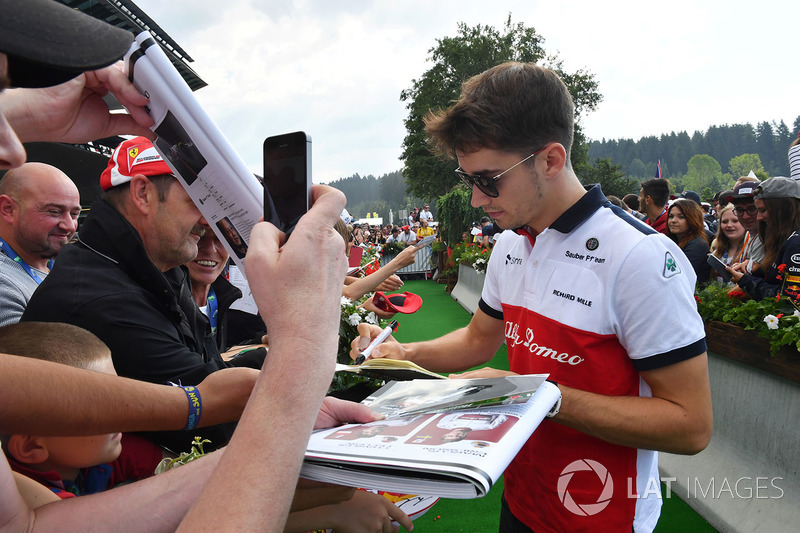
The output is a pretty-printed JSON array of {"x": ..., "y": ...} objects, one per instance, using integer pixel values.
[
  {"x": 287, "y": 179},
  {"x": 719, "y": 267}
]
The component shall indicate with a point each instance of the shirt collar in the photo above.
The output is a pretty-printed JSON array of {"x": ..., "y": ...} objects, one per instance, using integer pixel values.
[{"x": 577, "y": 213}]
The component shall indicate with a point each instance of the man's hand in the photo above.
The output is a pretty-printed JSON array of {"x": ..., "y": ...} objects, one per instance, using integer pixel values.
[
  {"x": 335, "y": 412},
  {"x": 485, "y": 372},
  {"x": 224, "y": 394},
  {"x": 390, "y": 348},
  {"x": 310, "y": 268},
  {"x": 75, "y": 112}
]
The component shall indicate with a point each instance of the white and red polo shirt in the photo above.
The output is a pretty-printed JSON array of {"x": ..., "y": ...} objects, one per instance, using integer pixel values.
[{"x": 593, "y": 300}]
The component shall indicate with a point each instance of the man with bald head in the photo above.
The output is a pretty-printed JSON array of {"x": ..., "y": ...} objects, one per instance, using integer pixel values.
[{"x": 39, "y": 208}]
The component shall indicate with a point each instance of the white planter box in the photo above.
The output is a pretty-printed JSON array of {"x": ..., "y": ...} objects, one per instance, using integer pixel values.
[{"x": 467, "y": 291}]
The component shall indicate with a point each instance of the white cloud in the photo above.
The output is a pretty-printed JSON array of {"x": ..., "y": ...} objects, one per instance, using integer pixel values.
[{"x": 336, "y": 69}]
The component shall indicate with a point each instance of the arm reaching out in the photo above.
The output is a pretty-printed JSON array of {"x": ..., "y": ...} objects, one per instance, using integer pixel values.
[{"x": 296, "y": 284}]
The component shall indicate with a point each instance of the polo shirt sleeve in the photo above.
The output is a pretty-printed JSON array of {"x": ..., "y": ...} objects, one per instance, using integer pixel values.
[{"x": 653, "y": 297}]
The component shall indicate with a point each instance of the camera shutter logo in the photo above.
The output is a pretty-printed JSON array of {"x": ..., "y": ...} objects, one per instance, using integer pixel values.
[{"x": 586, "y": 509}]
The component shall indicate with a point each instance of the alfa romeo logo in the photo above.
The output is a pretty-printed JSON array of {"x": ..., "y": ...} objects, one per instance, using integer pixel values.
[{"x": 586, "y": 509}]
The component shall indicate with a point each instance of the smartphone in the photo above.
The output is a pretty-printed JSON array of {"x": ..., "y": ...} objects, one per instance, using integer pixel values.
[
  {"x": 719, "y": 267},
  {"x": 287, "y": 179},
  {"x": 425, "y": 241}
]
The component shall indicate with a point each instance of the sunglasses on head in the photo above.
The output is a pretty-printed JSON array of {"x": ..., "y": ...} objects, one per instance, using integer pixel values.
[{"x": 488, "y": 186}]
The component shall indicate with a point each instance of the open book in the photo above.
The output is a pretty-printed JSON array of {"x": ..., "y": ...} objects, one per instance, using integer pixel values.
[
  {"x": 449, "y": 438},
  {"x": 389, "y": 370}
]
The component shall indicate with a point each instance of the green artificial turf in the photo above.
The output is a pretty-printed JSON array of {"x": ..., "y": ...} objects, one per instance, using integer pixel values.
[{"x": 440, "y": 314}]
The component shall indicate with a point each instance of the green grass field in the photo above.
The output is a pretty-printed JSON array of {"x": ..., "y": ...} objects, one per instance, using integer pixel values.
[{"x": 440, "y": 314}]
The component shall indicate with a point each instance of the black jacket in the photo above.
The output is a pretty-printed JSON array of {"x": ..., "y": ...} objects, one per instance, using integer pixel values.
[
  {"x": 770, "y": 285},
  {"x": 106, "y": 284}
]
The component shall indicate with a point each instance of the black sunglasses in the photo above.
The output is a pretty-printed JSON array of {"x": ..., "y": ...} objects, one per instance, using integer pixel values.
[{"x": 488, "y": 186}]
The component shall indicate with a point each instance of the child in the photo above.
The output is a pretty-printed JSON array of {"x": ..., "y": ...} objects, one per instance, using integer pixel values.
[{"x": 73, "y": 466}]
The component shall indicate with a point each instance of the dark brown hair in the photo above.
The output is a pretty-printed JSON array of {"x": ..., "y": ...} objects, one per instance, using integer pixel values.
[
  {"x": 514, "y": 107},
  {"x": 783, "y": 218},
  {"x": 693, "y": 214}
]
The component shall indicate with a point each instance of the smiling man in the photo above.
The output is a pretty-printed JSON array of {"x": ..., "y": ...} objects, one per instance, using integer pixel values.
[
  {"x": 569, "y": 288},
  {"x": 123, "y": 280},
  {"x": 39, "y": 208}
]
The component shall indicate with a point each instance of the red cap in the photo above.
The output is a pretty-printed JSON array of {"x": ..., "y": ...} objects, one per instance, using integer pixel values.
[
  {"x": 407, "y": 302},
  {"x": 132, "y": 157}
]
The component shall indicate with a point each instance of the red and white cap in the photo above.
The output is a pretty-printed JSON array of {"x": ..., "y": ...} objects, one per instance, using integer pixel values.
[
  {"x": 406, "y": 302},
  {"x": 132, "y": 157}
]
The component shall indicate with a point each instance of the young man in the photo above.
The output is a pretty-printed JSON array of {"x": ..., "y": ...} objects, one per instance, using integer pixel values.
[
  {"x": 571, "y": 292},
  {"x": 426, "y": 214},
  {"x": 744, "y": 208},
  {"x": 653, "y": 199},
  {"x": 424, "y": 230}
]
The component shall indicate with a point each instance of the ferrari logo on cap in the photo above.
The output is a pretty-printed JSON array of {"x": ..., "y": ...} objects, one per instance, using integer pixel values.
[{"x": 133, "y": 152}]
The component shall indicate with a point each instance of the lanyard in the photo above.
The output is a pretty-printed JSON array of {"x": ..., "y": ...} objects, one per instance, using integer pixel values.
[
  {"x": 212, "y": 310},
  {"x": 6, "y": 248}
]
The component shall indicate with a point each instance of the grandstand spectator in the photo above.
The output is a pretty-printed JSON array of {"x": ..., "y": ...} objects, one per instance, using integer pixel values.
[
  {"x": 778, "y": 203},
  {"x": 488, "y": 232},
  {"x": 424, "y": 230},
  {"x": 728, "y": 245},
  {"x": 39, "y": 208},
  {"x": 653, "y": 199},
  {"x": 746, "y": 212},
  {"x": 426, "y": 214},
  {"x": 407, "y": 236},
  {"x": 395, "y": 236},
  {"x": 685, "y": 225}
]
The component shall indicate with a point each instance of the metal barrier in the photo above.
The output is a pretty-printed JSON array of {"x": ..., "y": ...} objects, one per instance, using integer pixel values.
[{"x": 421, "y": 264}]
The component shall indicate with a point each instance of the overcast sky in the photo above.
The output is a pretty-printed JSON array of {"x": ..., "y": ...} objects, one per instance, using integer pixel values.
[{"x": 335, "y": 68}]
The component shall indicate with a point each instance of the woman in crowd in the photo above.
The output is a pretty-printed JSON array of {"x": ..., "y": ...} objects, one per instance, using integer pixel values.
[
  {"x": 685, "y": 225},
  {"x": 382, "y": 280},
  {"x": 728, "y": 246},
  {"x": 778, "y": 204},
  {"x": 214, "y": 294},
  {"x": 358, "y": 235}
]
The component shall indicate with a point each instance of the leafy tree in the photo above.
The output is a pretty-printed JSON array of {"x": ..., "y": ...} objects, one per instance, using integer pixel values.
[
  {"x": 741, "y": 165},
  {"x": 456, "y": 213},
  {"x": 638, "y": 169},
  {"x": 704, "y": 171},
  {"x": 611, "y": 178},
  {"x": 455, "y": 59}
]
